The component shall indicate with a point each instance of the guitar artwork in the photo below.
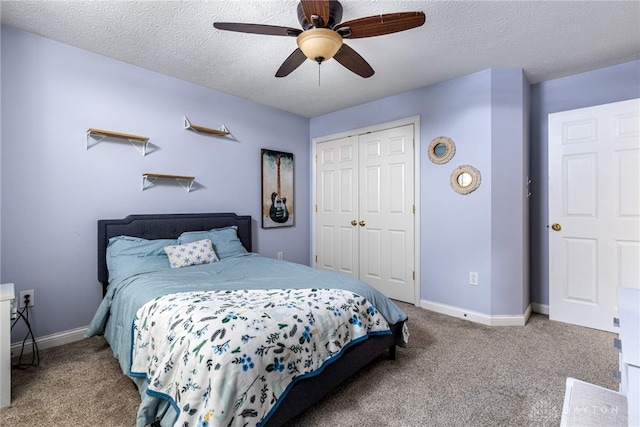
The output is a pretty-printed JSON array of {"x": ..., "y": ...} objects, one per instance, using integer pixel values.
[{"x": 278, "y": 211}]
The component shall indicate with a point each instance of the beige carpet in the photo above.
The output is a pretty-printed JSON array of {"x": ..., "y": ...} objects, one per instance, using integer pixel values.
[{"x": 455, "y": 373}]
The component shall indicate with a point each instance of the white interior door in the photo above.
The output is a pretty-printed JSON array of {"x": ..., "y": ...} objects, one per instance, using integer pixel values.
[
  {"x": 594, "y": 211},
  {"x": 365, "y": 209}
]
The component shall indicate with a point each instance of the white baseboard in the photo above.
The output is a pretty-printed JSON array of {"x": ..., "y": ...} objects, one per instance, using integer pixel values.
[
  {"x": 48, "y": 341},
  {"x": 66, "y": 337},
  {"x": 474, "y": 316},
  {"x": 540, "y": 308}
]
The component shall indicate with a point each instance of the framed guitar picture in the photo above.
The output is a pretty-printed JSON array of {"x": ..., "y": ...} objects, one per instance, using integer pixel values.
[{"x": 277, "y": 189}]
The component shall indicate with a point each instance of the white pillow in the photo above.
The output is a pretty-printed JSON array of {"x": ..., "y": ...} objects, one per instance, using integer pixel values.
[{"x": 194, "y": 253}]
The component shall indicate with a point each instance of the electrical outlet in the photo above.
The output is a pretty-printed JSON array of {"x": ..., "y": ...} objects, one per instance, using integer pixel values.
[
  {"x": 280, "y": 256},
  {"x": 23, "y": 295},
  {"x": 473, "y": 278}
]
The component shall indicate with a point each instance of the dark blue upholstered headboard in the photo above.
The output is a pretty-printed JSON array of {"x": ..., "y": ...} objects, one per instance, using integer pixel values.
[{"x": 164, "y": 226}]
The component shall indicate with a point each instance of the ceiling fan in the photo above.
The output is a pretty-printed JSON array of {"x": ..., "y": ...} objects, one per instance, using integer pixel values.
[{"x": 322, "y": 32}]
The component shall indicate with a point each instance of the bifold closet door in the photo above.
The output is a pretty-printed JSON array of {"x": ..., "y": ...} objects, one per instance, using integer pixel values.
[{"x": 365, "y": 209}]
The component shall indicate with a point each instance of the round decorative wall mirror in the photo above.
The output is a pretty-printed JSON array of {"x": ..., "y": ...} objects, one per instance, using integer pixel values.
[
  {"x": 441, "y": 150},
  {"x": 465, "y": 179}
]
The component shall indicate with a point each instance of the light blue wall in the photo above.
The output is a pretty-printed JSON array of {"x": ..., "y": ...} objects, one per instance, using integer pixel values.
[
  {"x": 54, "y": 189},
  {"x": 509, "y": 172},
  {"x": 462, "y": 108},
  {"x": 611, "y": 84},
  {"x": 484, "y": 113}
]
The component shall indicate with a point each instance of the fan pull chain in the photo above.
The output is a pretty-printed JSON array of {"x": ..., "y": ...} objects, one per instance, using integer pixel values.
[{"x": 319, "y": 64}]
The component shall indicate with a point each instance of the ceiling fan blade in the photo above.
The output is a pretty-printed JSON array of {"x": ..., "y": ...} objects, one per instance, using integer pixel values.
[
  {"x": 319, "y": 8},
  {"x": 353, "y": 61},
  {"x": 291, "y": 63},
  {"x": 270, "y": 30},
  {"x": 379, "y": 25}
]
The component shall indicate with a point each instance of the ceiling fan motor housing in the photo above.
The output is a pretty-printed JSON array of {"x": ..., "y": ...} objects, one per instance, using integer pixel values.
[{"x": 335, "y": 16}]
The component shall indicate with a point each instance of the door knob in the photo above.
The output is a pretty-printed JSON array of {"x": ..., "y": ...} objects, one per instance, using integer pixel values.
[
  {"x": 556, "y": 227},
  {"x": 362, "y": 223},
  {"x": 354, "y": 222}
]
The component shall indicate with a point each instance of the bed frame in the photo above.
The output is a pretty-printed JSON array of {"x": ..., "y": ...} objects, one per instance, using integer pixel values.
[{"x": 303, "y": 393}]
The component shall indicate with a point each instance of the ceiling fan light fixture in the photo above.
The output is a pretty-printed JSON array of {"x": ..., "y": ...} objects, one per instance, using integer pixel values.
[{"x": 319, "y": 44}]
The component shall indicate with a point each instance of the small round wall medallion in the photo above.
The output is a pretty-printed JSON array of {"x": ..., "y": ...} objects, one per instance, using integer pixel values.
[
  {"x": 465, "y": 179},
  {"x": 441, "y": 150}
]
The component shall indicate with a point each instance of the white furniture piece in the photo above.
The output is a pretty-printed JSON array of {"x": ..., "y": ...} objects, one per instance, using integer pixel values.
[
  {"x": 629, "y": 320},
  {"x": 590, "y": 405},
  {"x": 7, "y": 297}
]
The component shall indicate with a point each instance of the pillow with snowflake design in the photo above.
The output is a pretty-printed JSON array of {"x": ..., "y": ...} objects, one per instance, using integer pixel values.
[{"x": 194, "y": 253}]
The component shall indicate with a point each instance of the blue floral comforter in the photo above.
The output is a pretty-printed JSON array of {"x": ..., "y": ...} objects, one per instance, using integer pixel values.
[
  {"x": 130, "y": 292},
  {"x": 225, "y": 357}
]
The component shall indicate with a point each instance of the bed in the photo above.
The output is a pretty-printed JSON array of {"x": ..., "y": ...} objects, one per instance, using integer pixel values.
[{"x": 237, "y": 281}]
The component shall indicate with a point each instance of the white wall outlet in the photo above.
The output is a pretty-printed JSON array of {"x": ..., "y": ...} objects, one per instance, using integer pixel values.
[
  {"x": 280, "y": 256},
  {"x": 31, "y": 294},
  {"x": 473, "y": 278}
]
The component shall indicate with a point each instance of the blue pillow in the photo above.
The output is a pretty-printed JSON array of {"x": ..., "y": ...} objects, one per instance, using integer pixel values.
[
  {"x": 126, "y": 254},
  {"x": 225, "y": 240}
]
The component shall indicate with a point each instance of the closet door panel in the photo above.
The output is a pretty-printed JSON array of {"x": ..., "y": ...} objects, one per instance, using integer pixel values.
[
  {"x": 397, "y": 196},
  {"x": 370, "y": 197},
  {"x": 371, "y": 263},
  {"x": 386, "y": 207},
  {"x": 398, "y": 255},
  {"x": 337, "y": 206}
]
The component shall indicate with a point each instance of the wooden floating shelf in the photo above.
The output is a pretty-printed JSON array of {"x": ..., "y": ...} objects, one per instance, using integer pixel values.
[
  {"x": 99, "y": 134},
  {"x": 118, "y": 134},
  {"x": 184, "y": 180},
  {"x": 201, "y": 129},
  {"x": 162, "y": 175}
]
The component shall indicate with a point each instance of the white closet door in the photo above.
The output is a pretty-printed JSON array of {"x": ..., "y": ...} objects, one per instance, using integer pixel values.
[
  {"x": 365, "y": 209},
  {"x": 337, "y": 204},
  {"x": 386, "y": 218}
]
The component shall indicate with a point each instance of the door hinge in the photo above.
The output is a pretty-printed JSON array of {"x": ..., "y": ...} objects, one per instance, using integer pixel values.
[
  {"x": 316, "y": 208},
  {"x": 414, "y": 209},
  {"x": 316, "y": 259},
  {"x": 414, "y": 275}
]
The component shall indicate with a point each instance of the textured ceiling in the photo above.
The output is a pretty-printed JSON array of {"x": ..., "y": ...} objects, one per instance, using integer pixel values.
[{"x": 548, "y": 39}]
